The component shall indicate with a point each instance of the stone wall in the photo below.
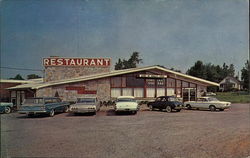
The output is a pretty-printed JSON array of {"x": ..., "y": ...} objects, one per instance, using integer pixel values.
[
  {"x": 53, "y": 73},
  {"x": 101, "y": 86}
]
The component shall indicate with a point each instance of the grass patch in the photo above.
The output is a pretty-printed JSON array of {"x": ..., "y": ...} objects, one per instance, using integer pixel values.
[{"x": 234, "y": 97}]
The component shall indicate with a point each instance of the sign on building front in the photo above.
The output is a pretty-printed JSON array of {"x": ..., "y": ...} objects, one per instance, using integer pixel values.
[{"x": 76, "y": 62}]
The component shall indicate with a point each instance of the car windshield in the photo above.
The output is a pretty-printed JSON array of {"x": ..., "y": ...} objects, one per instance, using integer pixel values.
[
  {"x": 126, "y": 100},
  {"x": 212, "y": 99},
  {"x": 86, "y": 100},
  {"x": 33, "y": 101},
  {"x": 172, "y": 99}
]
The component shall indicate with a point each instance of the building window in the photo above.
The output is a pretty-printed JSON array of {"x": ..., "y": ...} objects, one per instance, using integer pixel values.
[
  {"x": 139, "y": 92},
  {"x": 115, "y": 92},
  {"x": 170, "y": 92},
  {"x": 150, "y": 82},
  {"x": 161, "y": 83},
  {"x": 134, "y": 82},
  {"x": 184, "y": 84},
  {"x": 178, "y": 82},
  {"x": 116, "y": 82},
  {"x": 150, "y": 92},
  {"x": 127, "y": 92},
  {"x": 160, "y": 92},
  {"x": 170, "y": 82}
]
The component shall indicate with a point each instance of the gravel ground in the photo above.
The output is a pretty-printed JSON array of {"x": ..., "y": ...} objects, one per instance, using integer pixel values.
[{"x": 185, "y": 134}]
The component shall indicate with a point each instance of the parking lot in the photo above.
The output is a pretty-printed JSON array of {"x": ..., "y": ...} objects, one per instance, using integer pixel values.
[{"x": 185, "y": 134}]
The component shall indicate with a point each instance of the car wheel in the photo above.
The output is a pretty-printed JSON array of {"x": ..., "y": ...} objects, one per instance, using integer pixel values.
[
  {"x": 7, "y": 110},
  {"x": 66, "y": 109},
  {"x": 221, "y": 109},
  {"x": 134, "y": 112},
  {"x": 52, "y": 113},
  {"x": 168, "y": 109},
  {"x": 212, "y": 108},
  {"x": 189, "y": 107},
  {"x": 150, "y": 107},
  {"x": 178, "y": 110},
  {"x": 30, "y": 115}
]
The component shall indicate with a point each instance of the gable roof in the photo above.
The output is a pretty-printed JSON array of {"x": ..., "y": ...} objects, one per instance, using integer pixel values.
[
  {"x": 108, "y": 74},
  {"x": 229, "y": 77}
]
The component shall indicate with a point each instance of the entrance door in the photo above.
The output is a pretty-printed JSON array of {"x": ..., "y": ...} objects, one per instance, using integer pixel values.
[{"x": 188, "y": 94}]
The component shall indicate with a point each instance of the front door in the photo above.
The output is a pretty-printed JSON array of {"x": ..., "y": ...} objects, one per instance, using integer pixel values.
[{"x": 189, "y": 94}]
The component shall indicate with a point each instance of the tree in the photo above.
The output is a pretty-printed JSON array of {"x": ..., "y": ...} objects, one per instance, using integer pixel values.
[
  {"x": 33, "y": 76},
  {"x": 119, "y": 64},
  {"x": 245, "y": 72},
  {"x": 198, "y": 70},
  {"x": 175, "y": 70},
  {"x": 132, "y": 62},
  {"x": 17, "y": 77}
]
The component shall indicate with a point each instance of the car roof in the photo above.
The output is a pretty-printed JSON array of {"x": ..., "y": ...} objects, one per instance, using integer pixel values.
[{"x": 120, "y": 97}]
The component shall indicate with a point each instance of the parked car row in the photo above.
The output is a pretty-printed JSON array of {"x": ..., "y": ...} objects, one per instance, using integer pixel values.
[{"x": 52, "y": 105}]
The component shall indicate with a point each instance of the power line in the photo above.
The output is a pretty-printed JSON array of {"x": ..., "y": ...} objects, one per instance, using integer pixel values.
[{"x": 13, "y": 68}]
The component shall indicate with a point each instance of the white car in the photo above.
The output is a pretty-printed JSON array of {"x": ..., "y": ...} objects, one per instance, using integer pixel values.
[
  {"x": 85, "y": 105},
  {"x": 126, "y": 103},
  {"x": 207, "y": 103}
]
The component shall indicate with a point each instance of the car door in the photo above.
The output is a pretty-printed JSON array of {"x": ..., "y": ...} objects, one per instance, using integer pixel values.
[
  {"x": 164, "y": 103},
  {"x": 198, "y": 103},
  {"x": 157, "y": 103}
]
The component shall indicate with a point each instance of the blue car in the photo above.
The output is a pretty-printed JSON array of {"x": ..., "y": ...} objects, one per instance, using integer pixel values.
[
  {"x": 6, "y": 107},
  {"x": 46, "y": 105}
]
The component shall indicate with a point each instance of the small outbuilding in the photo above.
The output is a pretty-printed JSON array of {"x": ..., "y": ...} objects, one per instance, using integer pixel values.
[{"x": 230, "y": 83}]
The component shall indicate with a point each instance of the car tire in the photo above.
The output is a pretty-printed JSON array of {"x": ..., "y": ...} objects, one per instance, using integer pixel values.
[
  {"x": 30, "y": 115},
  {"x": 134, "y": 112},
  {"x": 189, "y": 107},
  {"x": 168, "y": 109},
  {"x": 52, "y": 113},
  {"x": 178, "y": 110},
  {"x": 7, "y": 110},
  {"x": 221, "y": 109},
  {"x": 151, "y": 108},
  {"x": 212, "y": 108}
]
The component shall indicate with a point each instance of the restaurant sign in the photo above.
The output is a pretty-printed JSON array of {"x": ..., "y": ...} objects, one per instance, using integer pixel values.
[{"x": 102, "y": 62}]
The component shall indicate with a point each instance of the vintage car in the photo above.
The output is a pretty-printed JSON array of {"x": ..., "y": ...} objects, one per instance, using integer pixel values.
[
  {"x": 43, "y": 105},
  {"x": 167, "y": 103},
  {"x": 85, "y": 105},
  {"x": 6, "y": 107},
  {"x": 126, "y": 103},
  {"x": 207, "y": 103}
]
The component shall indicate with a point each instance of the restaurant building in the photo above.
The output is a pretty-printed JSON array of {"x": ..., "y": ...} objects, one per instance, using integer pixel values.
[{"x": 69, "y": 78}]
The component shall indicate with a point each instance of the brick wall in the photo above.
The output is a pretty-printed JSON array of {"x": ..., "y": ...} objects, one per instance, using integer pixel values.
[
  {"x": 53, "y": 73},
  {"x": 100, "y": 86}
]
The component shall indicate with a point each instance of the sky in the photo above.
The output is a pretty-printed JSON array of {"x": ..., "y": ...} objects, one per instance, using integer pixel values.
[{"x": 172, "y": 33}]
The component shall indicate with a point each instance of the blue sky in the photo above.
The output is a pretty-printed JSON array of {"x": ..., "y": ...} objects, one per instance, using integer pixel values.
[{"x": 172, "y": 33}]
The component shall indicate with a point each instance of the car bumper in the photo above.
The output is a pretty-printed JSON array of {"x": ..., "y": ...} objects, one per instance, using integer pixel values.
[
  {"x": 224, "y": 107},
  {"x": 126, "y": 109},
  {"x": 33, "y": 112},
  {"x": 178, "y": 107},
  {"x": 82, "y": 110}
]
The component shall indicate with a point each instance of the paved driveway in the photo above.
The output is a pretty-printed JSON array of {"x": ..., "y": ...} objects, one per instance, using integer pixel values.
[{"x": 187, "y": 134}]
